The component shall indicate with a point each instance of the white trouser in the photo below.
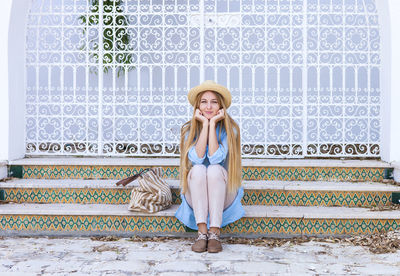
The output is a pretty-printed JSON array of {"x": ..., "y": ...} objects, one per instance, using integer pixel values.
[{"x": 207, "y": 193}]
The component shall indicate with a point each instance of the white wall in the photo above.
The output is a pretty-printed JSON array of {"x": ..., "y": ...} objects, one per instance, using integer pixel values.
[
  {"x": 4, "y": 107},
  {"x": 12, "y": 64},
  {"x": 390, "y": 81},
  {"x": 3, "y": 170}
]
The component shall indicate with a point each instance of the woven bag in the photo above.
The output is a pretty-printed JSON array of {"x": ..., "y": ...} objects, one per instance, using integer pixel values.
[{"x": 153, "y": 193}]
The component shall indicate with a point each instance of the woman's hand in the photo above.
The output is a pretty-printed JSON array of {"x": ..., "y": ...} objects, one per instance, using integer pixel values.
[
  {"x": 220, "y": 115},
  {"x": 199, "y": 116}
]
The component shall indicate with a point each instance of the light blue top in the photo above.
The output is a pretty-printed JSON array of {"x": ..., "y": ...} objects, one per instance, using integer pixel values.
[
  {"x": 218, "y": 157},
  {"x": 235, "y": 211}
]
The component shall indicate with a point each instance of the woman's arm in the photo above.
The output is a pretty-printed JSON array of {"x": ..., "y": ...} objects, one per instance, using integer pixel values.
[
  {"x": 212, "y": 140},
  {"x": 212, "y": 136},
  {"x": 202, "y": 142}
]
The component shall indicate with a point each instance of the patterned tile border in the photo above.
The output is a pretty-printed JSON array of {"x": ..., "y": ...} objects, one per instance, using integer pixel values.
[
  {"x": 89, "y": 172},
  {"x": 314, "y": 174},
  {"x": 67, "y": 195},
  {"x": 172, "y": 225},
  {"x": 90, "y": 223},
  {"x": 311, "y": 226},
  {"x": 251, "y": 197},
  {"x": 249, "y": 173},
  {"x": 317, "y": 198}
]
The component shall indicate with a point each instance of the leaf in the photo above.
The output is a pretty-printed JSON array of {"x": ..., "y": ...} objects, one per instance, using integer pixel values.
[{"x": 116, "y": 39}]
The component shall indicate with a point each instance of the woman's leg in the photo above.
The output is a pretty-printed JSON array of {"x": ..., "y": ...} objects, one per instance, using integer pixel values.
[
  {"x": 218, "y": 200},
  {"x": 218, "y": 197},
  {"x": 197, "y": 196}
]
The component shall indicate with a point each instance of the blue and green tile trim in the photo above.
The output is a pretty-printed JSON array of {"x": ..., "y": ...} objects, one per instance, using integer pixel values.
[
  {"x": 248, "y": 173},
  {"x": 317, "y": 198},
  {"x": 149, "y": 224},
  {"x": 251, "y": 197}
]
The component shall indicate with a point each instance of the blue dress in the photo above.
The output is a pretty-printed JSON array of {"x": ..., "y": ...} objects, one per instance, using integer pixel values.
[{"x": 234, "y": 211}]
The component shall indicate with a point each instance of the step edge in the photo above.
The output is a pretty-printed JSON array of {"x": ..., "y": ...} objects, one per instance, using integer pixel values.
[
  {"x": 255, "y": 211},
  {"x": 173, "y": 161},
  {"x": 174, "y": 184}
]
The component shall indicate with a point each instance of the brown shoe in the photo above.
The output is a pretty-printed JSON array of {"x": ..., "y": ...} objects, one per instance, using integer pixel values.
[
  {"x": 214, "y": 244},
  {"x": 200, "y": 244}
]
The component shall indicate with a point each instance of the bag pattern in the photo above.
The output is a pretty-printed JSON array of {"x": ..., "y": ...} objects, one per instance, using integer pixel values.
[{"x": 153, "y": 193}]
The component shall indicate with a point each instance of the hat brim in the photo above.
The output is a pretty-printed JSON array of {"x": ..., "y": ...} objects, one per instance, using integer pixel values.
[{"x": 220, "y": 89}]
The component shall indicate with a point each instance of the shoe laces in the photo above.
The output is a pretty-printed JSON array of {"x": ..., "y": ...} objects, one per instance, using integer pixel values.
[
  {"x": 201, "y": 236},
  {"x": 213, "y": 236}
]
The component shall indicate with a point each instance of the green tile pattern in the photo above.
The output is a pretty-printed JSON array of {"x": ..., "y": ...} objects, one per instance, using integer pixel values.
[
  {"x": 89, "y": 172},
  {"x": 69, "y": 195},
  {"x": 317, "y": 198},
  {"x": 90, "y": 223},
  {"x": 311, "y": 226},
  {"x": 313, "y": 174},
  {"x": 249, "y": 173},
  {"x": 172, "y": 225},
  {"x": 251, "y": 197}
]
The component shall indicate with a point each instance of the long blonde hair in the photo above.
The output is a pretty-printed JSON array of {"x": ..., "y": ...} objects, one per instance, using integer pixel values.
[{"x": 191, "y": 131}]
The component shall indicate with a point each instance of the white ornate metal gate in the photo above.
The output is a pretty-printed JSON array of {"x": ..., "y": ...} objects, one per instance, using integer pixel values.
[{"x": 111, "y": 77}]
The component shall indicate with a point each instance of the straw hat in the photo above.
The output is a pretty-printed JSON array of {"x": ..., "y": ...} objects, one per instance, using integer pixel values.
[{"x": 210, "y": 85}]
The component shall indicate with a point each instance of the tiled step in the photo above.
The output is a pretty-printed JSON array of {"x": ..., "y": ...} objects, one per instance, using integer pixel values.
[
  {"x": 99, "y": 219},
  {"x": 285, "y": 193},
  {"x": 253, "y": 169}
]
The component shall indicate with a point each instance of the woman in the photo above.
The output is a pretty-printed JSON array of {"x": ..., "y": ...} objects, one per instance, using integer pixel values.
[{"x": 210, "y": 167}]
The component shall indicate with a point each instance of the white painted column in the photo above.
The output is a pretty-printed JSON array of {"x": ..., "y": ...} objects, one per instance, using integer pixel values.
[
  {"x": 390, "y": 28},
  {"x": 12, "y": 75},
  {"x": 4, "y": 107}
]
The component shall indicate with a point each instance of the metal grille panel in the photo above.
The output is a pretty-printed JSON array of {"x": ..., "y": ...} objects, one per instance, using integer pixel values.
[{"x": 111, "y": 77}]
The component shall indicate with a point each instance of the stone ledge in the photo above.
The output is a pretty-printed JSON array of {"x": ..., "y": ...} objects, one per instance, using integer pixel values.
[
  {"x": 257, "y": 211},
  {"x": 174, "y": 184},
  {"x": 173, "y": 161}
]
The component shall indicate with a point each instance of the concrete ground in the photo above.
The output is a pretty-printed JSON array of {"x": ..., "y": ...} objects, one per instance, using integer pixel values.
[{"x": 84, "y": 256}]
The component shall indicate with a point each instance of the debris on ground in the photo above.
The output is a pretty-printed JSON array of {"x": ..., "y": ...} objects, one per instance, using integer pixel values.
[
  {"x": 153, "y": 239},
  {"x": 105, "y": 238},
  {"x": 379, "y": 243},
  {"x": 390, "y": 207},
  {"x": 388, "y": 181},
  {"x": 277, "y": 242},
  {"x": 271, "y": 242},
  {"x": 7, "y": 202}
]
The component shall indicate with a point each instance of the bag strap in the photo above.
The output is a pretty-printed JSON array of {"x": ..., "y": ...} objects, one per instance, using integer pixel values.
[{"x": 129, "y": 179}]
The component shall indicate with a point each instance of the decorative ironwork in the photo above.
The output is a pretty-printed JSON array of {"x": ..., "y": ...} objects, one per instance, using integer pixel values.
[{"x": 304, "y": 75}]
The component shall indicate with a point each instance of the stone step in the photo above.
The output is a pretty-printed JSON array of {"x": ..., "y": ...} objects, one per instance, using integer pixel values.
[
  {"x": 101, "y": 219},
  {"x": 286, "y": 193},
  {"x": 253, "y": 169}
]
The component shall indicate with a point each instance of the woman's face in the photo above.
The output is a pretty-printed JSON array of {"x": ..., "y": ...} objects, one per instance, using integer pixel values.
[{"x": 209, "y": 104}]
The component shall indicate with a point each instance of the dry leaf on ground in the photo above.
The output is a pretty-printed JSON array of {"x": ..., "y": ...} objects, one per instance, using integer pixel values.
[{"x": 105, "y": 238}]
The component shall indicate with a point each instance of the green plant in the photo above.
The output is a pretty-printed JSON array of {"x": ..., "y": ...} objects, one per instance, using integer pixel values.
[{"x": 116, "y": 50}]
